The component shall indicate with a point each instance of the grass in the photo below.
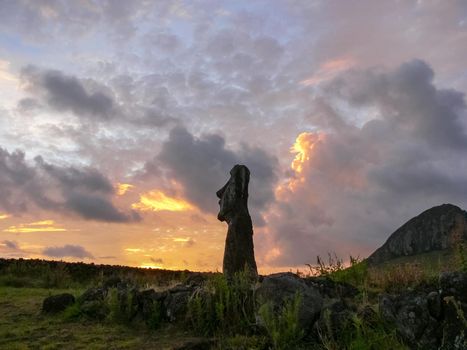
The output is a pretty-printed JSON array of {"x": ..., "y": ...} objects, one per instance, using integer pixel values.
[
  {"x": 22, "y": 326},
  {"x": 224, "y": 310}
]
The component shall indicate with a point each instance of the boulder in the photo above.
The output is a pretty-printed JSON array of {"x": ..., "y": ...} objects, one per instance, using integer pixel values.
[
  {"x": 148, "y": 302},
  {"x": 410, "y": 313},
  {"x": 331, "y": 289},
  {"x": 92, "y": 294},
  {"x": 454, "y": 284},
  {"x": 94, "y": 309},
  {"x": 335, "y": 317},
  {"x": 280, "y": 288},
  {"x": 176, "y": 302},
  {"x": 57, "y": 303}
]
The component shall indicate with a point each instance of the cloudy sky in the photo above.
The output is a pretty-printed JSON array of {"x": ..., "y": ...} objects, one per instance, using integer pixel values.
[{"x": 119, "y": 120}]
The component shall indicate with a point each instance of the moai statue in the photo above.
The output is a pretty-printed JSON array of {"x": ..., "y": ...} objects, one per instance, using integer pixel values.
[{"x": 239, "y": 252}]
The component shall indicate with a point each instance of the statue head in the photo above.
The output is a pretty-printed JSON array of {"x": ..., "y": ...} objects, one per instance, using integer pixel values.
[{"x": 233, "y": 196}]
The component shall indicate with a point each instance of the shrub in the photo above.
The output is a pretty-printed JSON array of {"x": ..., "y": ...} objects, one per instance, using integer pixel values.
[
  {"x": 283, "y": 327},
  {"x": 223, "y": 307},
  {"x": 359, "y": 335},
  {"x": 120, "y": 305}
]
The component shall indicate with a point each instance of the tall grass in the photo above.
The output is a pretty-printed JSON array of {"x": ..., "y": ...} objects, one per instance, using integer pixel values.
[
  {"x": 223, "y": 307},
  {"x": 282, "y": 326}
]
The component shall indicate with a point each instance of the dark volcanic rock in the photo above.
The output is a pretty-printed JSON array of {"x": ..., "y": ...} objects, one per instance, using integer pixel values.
[
  {"x": 57, "y": 303},
  {"x": 437, "y": 228},
  {"x": 331, "y": 289},
  {"x": 335, "y": 318},
  {"x": 454, "y": 284},
  {"x": 176, "y": 302},
  {"x": 280, "y": 288},
  {"x": 92, "y": 294},
  {"x": 454, "y": 303},
  {"x": 411, "y": 315},
  {"x": 239, "y": 252}
]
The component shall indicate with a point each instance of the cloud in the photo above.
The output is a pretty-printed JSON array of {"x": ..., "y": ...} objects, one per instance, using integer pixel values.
[
  {"x": 157, "y": 260},
  {"x": 38, "y": 226},
  {"x": 202, "y": 165},
  {"x": 11, "y": 245},
  {"x": 352, "y": 185},
  {"x": 84, "y": 191},
  {"x": 68, "y": 250},
  {"x": 67, "y": 93}
]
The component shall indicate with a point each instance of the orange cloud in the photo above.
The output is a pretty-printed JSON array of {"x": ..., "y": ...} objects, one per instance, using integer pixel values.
[
  {"x": 303, "y": 149},
  {"x": 158, "y": 201},
  {"x": 4, "y": 216},
  {"x": 123, "y": 188},
  {"x": 38, "y": 226},
  {"x": 329, "y": 70},
  {"x": 133, "y": 250}
]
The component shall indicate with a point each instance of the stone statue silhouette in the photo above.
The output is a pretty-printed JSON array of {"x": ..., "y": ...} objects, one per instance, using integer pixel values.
[{"x": 239, "y": 252}]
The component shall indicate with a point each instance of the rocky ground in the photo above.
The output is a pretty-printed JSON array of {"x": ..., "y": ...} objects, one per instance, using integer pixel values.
[{"x": 429, "y": 316}]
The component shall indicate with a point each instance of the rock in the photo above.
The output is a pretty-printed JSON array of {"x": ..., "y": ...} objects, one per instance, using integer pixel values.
[
  {"x": 279, "y": 288},
  {"x": 196, "y": 279},
  {"x": 368, "y": 316},
  {"x": 57, "y": 303},
  {"x": 454, "y": 302},
  {"x": 410, "y": 313},
  {"x": 92, "y": 294},
  {"x": 148, "y": 302},
  {"x": 454, "y": 284},
  {"x": 112, "y": 282},
  {"x": 434, "y": 303},
  {"x": 176, "y": 302},
  {"x": 437, "y": 228},
  {"x": 239, "y": 252},
  {"x": 330, "y": 289},
  {"x": 94, "y": 309},
  {"x": 454, "y": 325},
  {"x": 335, "y": 318}
]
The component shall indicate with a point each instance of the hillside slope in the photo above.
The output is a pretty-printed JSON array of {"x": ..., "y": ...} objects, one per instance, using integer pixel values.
[{"x": 439, "y": 228}]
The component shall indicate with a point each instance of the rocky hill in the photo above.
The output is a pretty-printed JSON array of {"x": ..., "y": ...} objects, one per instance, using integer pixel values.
[{"x": 439, "y": 228}]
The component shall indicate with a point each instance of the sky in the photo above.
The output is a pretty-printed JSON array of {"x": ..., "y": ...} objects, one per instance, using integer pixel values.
[{"x": 119, "y": 120}]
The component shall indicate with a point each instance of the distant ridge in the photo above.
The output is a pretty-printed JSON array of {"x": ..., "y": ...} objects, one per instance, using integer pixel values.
[{"x": 438, "y": 228}]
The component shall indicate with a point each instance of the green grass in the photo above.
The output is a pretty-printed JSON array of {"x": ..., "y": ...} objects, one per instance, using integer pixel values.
[{"x": 22, "y": 326}]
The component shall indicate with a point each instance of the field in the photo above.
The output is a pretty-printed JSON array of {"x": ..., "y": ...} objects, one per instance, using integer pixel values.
[{"x": 223, "y": 317}]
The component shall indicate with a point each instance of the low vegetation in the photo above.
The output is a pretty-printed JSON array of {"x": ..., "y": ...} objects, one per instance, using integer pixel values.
[{"x": 226, "y": 313}]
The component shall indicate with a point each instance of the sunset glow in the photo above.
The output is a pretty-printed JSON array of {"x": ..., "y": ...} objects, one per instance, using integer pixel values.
[
  {"x": 159, "y": 201},
  {"x": 37, "y": 226},
  {"x": 120, "y": 120},
  {"x": 123, "y": 188}
]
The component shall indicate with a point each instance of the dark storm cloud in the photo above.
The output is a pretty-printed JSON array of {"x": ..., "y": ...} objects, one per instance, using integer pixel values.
[
  {"x": 67, "y": 93},
  {"x": 408, "y": 99},
  {"x": 96, "y": 207},
  {"x": 202, "y": 166},
  {"x": 75, "y": 179},
  {"x": 68, "y": 250},
  {"x": 358, "y": 184},
  {"x": 74, "y": 191}
]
